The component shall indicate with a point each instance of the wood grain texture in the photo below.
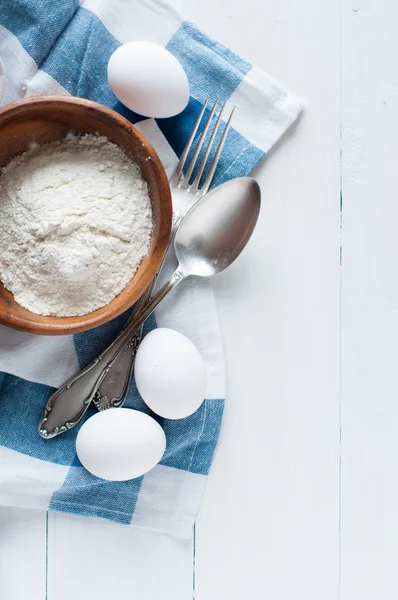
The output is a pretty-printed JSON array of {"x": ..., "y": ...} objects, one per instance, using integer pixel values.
[
  {"x": 268, "y": 526},
  {"x": 47, "y": 119},
  {"x": 89, "y": 558},
  {"x": 23, "y": 554},
  {"x": 369, "y": 429}
]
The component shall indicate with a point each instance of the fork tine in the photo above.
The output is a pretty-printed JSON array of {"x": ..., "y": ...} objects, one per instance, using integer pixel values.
[
  {"x": 213, "y": 167},
  {"x": 198, "y": 148},
  {"x": 178, "y": 170},
  {"x": 195, "y": 184}
]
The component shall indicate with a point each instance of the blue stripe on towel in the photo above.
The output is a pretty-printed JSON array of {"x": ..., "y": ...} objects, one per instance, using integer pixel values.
[
  {"x": 191, "y": 442},
  {"x": 38, "y": 23},
  {"x": 79, "y": 58},
  {"x": 83, "y": 494},
  {"x": 220, "y": 71},
  {"x": 238, "y": 159},
  {"x": 69, "y": 43},
  {"x": 20, "y": 398}
]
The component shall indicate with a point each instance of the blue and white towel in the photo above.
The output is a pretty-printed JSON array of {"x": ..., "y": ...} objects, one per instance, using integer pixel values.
[{"x": 63, "y": 48}]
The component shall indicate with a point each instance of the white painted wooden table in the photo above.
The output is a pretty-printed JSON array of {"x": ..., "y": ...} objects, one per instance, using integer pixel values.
[{"x": 302, "y": 500}]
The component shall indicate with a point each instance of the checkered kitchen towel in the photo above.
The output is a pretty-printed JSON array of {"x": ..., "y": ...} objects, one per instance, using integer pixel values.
[{"x": 63, "y": 48}]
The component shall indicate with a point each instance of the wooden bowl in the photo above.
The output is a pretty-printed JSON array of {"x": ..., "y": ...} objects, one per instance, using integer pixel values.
[{"x": 46, "y": 119}]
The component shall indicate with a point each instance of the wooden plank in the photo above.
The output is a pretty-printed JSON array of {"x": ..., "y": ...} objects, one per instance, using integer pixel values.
[
  {"x": 269, "y": 523},
  {"x": 22, "y": 554},
  {"x": 369, "y": 538},
  {"x": 89, "y": 558}
]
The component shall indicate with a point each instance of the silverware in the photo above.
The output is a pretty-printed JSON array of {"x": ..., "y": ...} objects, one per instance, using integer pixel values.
[
  {"x": 211, "y": 236},
  {"x": 113, "y": 391}
]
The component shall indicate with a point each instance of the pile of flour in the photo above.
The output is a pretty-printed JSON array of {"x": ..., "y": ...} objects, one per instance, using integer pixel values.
[{"x": 75, "y": 223}]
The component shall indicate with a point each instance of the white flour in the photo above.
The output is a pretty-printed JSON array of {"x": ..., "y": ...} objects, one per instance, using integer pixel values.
[{"x": 75, "y": 223}]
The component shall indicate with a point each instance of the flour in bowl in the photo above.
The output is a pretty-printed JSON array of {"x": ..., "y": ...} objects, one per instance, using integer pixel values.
[{"x": 75, "y": 223}]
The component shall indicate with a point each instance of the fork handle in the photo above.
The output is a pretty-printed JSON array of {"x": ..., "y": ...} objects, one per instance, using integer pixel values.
[
  {"x": 113, "y": 391},
  {"x": 114, "y": 388}
]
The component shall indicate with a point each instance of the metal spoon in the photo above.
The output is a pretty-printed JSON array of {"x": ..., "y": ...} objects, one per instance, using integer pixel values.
[{"x": 211, "y": 236}]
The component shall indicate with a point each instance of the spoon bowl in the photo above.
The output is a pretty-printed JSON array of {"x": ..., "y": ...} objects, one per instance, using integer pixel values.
[{"x": 216, "y": 229}]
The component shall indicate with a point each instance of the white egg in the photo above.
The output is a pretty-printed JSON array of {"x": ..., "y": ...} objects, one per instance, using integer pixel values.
[
  {"x": 148, "y": 79},
  {"x": 170, "y": 374},
  {"x": 120, "y": 444}
]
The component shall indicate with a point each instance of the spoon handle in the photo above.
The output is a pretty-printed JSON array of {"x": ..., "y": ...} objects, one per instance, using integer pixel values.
[
  {"x": 113, "y": 390},
  {"x": 68, "y": 405}
]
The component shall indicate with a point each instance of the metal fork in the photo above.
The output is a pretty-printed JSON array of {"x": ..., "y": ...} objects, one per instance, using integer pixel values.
[
  {"x": 181, "y": 181},
  {"x": 113, "y": 391}
]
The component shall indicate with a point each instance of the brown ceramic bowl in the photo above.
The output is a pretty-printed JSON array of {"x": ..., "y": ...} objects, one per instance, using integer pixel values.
[{"x": 46, "y": 119}]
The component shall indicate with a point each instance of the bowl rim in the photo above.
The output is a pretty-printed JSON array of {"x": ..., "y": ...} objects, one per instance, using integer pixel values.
[{"x": 77, "y": 324}]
